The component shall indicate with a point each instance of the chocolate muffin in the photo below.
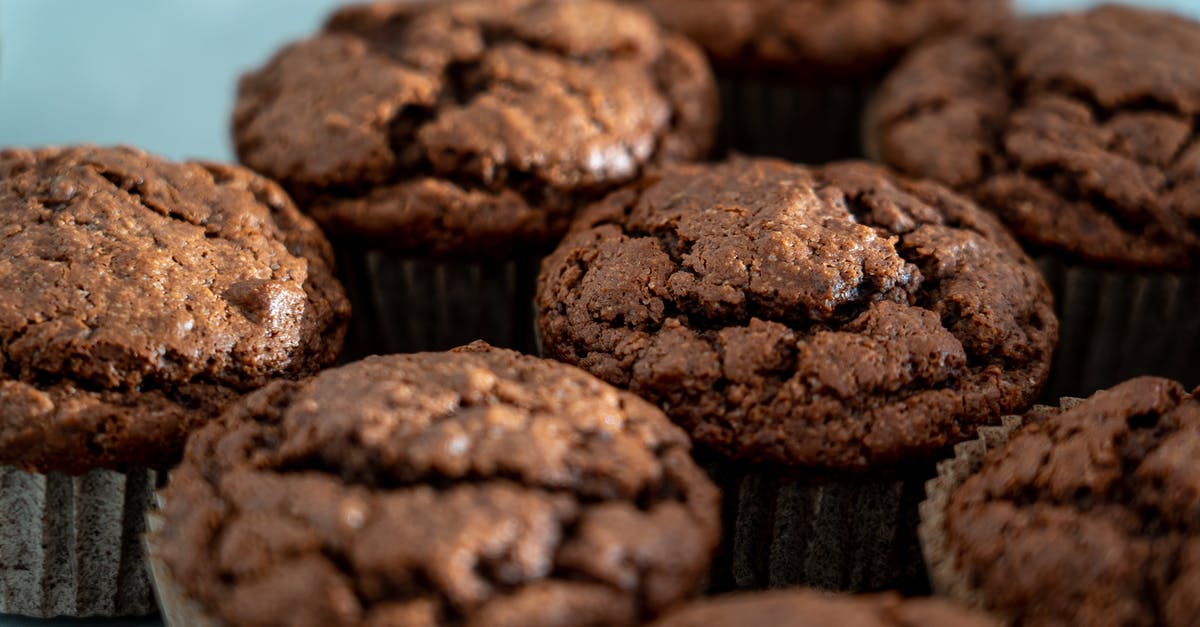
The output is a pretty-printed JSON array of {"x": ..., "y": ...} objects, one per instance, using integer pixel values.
[
  {"x": 805, "y": 608},
  {"x": 478, "y": 487},
  {"x": 445, "y": 146},
  {"x": 819, "y": 329},
  {"x": 138, "y": 297},
  {"x": 1086, "y": 516},
  {"x": 1079, "y": 131},
  {"x": 795, "y": 74}
]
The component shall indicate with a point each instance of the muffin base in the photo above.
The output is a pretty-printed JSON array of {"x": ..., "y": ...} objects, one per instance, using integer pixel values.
[
  {"x": 1117, "y": 325},
  {"x": 72, "y": 545},
  {"x": 404, "y": 305},
  {"x": 944, "y": 573},
  {"x": 177, "y": 609},
  {"x": 806, "y": 122},
  {"x": 795, "y": 527}
]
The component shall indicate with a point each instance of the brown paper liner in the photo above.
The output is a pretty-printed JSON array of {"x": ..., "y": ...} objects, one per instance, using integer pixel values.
[
  {"x": 940, "y": 559},
  {"x": 177, "y": 609},
  {"x": 1117, "y": 325},
  {"x": 71, "y": 545},
  {"x": 406, "y": 305},
  {"x": 848, "y": 533},
  {"x": 806, "y": 122}
]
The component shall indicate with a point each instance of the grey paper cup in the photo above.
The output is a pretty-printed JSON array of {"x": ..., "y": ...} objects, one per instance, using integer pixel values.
[{"x": 72, "y": 545}]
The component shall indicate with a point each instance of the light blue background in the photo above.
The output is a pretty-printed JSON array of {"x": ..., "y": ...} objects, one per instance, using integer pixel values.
[{"x": 160, "y": 74}]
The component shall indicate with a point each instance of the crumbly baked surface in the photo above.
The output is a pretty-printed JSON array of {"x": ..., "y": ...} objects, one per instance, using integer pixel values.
[
  {"x": 809, "y": 608},
  {"x": 1078, "y": 130},
  {"x": 472, "y": 127},
  {"x": 476, "y": 487},
  {"x": 139, "y": 296},
  {"x": 839, "y": 317},
  {"x": 1089, "y": 516},
  {"x": 818, "y": 37}
]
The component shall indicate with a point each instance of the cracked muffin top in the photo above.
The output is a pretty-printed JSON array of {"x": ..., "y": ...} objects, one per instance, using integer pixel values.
[
  {"x": 819, "y": 36},
  {"x": 1089, "y": 515},
  {"x": 138, "y": 297},
  {"x": 1078, "y": 130},
  {"x": 473, "y": 487},
  {"x": 839, "y": 317},
  {"x": 471, "y": 127},
  {"x": 810, "y": 608}
]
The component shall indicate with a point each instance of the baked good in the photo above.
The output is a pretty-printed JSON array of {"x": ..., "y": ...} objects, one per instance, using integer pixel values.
[
  {"x": 477, "y": 486},
  {"x": 1078, "y": 131},
  {"x": 138, "y": 297},
  {"x": 1086, "y": 515},
  {"x": 838, "y": 317},
  {"x": 809, "y": 608}
]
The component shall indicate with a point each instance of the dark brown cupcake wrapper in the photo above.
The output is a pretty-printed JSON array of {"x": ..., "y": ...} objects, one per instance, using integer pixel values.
[
  {"x": 847, "y": 533},
  {"x": 72, "y": 545},
  {"x": 404, "y": 305},
  {"x": 944, "y": 574},
  {"x": 1117, "y": 325},
  {"x": 806, "y": 122}
]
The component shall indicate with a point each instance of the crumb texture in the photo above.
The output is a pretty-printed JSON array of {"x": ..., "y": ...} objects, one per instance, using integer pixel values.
[
  {"x": 819, "y": 36},
  {"x": 138, "y": 296},
  {"x": 838, "y": 317},
  {"x": 809, "y": 608},
  {"x": 459, "y": 127},
  {"x": 475, "y": 487},
  {"x": 1090, "y": 516},
  {"x": 1079, "y": 130}
]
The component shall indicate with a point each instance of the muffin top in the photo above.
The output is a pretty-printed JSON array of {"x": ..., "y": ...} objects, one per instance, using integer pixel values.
[
  {"x": 1079, "y": 130},
  {"x": 139, "y": 296},
  {"x": 1089, "y": 516},
  {"x": 478, "y": 486},
  {"x": 471, "y": 127},
  {"x": 810, "y": 608},
  {"x": 819, "y": 37},
  {"x": 839, "y": 317}
]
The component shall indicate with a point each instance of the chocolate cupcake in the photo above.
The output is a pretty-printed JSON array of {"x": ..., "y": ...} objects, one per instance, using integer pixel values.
[
  {"x": 445, "y": 145},
  {"x": 474, "y": 487},
  {"x": 1086, "y": 516},
  {"x": 806, "y": 608},
  {"x": 1079, "y": 131},
  {"x": 795, "y": 75},
  {"x": 824, "y": 332},
  {"x": 138, "y": 297}
]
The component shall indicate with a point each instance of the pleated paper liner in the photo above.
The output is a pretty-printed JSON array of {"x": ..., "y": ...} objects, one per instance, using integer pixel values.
[
  {"x": 1117, "y": 325},
  {"x": 404, "y": 305},
  {"x": 944, "y": 573},
  {"x": 791, "y": 527},
  {"x": 72, "y": 545},
  {"x": 814, "y": 121},
  {"x": 177, "y": 609}
]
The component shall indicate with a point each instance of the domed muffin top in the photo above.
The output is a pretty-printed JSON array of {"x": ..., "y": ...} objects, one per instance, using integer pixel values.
[
  {"x": 839, "y": 317},
  {"x": 840, "y": 39},
  {"x": 810, "y": 608},
  {"x": 1089, "y": 515},
  {"x": 471, "y": 127},
  {"x": 138, "y": 296},
  {"x": 1079, "y": 130},
  {"x": 477, "y": 486}
]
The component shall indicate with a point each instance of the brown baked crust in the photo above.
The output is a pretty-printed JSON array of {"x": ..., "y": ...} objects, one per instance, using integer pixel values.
[
  {"x": 472, "y": 127},
  {"x": 476, "y": 487},
  {"x": 817, "y": 37},
  {"x": 810, "y": 608},
  {"x": 1090, "y": 516},
  {"x": 1078, "y": 130},
  {"x": 839, "y": 317},
  {"x": 139, "y": 296}
]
